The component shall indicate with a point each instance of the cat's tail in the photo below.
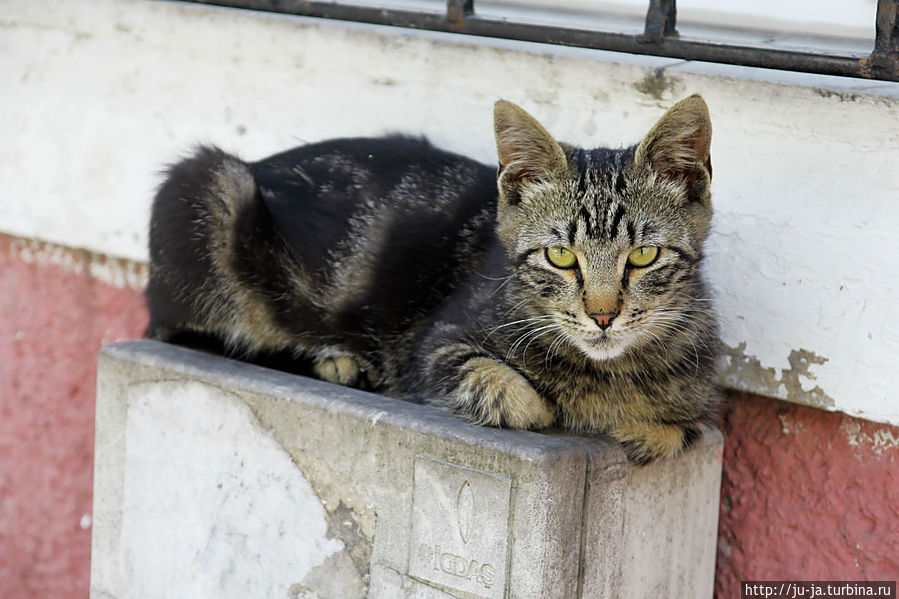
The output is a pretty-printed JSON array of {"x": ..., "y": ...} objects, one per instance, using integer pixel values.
[{"x": 194, "y": 228}]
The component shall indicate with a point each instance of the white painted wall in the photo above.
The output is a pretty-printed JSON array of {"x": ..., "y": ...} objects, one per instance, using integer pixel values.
[{"x": 99, "y": 94}]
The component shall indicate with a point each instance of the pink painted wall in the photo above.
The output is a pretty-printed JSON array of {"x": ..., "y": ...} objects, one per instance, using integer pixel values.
[
  {"x": 52, "y": 322},
  {"x": 806, "y": 494}
]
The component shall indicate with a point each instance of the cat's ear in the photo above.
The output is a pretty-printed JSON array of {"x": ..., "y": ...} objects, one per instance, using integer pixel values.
[
  {"x": 678, "y": 146},
  {"x": 527, "y": 152}
]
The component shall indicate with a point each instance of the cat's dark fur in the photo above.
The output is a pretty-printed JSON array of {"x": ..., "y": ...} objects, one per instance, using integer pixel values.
[{"x": 399, "y": 267}]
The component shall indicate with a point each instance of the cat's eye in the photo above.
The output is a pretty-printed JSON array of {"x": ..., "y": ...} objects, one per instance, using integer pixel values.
[
  {"x": 561, "y": 257},
  {"x": 643, "y": 256}
]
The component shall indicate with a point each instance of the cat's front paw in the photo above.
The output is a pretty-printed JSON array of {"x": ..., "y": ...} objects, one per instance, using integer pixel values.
[
  {"x": 345, "y": 369},
  {"x": 645, "y": 442},
  {"x": 493, "y": 394}
]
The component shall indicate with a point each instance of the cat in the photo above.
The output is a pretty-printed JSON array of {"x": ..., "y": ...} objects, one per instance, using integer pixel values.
[{"x": 563, "y": 288}]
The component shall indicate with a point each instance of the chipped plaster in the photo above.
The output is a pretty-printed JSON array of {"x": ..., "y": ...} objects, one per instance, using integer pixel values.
[
  {"x": 657, "y": 85},
  {"x": 796, "y": 383},
  {"x": 878, "y": 440},
  {"x": 125, "y": 274}
]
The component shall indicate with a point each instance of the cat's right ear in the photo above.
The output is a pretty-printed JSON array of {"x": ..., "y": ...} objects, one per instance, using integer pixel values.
[
  {"x": 678, "y": 146},
  {"x": 527, "y": 152}
]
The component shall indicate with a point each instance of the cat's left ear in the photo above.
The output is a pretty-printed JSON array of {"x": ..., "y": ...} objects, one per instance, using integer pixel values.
[
  {"x": 527, "y": 152},
  {"x": 678, "y": 146}
]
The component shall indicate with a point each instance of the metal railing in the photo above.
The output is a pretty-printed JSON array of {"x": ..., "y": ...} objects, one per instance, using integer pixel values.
[{"x": 659, "y": 37}]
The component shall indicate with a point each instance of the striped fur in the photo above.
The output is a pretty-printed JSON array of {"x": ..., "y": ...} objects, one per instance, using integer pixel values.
[{"x": 391, "y": 265}]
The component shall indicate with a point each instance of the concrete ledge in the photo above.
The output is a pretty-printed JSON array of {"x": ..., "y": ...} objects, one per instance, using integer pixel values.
[{"x": 215, "y": 478}]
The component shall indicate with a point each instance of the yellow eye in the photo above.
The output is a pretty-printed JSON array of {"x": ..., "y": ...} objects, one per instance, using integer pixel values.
[
  {"x": 643, "y": 256},
  {"x": 561, "y": 257}
]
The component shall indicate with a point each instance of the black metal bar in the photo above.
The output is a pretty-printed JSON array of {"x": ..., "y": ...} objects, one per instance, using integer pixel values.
[
  {"x": 459, "y": 10},
  {"x": 887, "y": 36},
  {"x": 883, "y": 60},
  {"x": 661, "y": 22},
  {"x": 881, "y": 64}
]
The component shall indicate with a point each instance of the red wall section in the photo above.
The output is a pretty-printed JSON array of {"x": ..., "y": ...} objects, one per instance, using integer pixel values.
[
  {"x": 806, "y": 495},
  {"x": 53, "y": 320}
]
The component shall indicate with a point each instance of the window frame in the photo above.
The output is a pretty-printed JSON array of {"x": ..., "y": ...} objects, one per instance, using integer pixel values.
[{"x": 659, "y": 37}]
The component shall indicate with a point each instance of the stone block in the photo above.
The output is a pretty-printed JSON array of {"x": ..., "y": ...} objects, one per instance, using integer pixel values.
[{"x": 216, "y": 478}]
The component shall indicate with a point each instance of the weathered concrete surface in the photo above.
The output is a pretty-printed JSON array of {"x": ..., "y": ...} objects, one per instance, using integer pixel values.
[
  {"x": 218, "y": 478},
  {"x": 662, "y": 511}
]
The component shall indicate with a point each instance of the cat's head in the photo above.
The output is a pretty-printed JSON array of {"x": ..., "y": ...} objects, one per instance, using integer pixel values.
[{"x": 606, "y": 243}]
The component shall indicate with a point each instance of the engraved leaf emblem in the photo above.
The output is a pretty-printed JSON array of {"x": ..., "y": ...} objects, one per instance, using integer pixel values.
[{"x": 465, "y": 511}]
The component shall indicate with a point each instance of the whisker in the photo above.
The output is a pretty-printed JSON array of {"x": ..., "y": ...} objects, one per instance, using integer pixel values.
[
  {"x": 535, "y": 337},
  {"x": 554, "y": 348},
  {"x": 520, "y": 322},
  {"x": 532, "y": 334},
  {"x": 501, "y": 285}
]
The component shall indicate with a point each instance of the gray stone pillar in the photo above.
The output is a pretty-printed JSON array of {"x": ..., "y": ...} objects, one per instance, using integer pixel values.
[{"x": 215, "y": 478}]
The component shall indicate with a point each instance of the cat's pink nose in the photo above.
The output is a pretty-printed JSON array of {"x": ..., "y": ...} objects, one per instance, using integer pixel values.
[{"x": 604, "y": 320}]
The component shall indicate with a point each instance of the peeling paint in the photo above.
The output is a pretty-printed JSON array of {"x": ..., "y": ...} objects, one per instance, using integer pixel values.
[
  {"x": 843, "y": 96},
  {"x": 351, "y": 519},
  {"x": 796, "y": 384},
  {"x": 298, "y": 591},
  {"x": 878, "y": 440},
  {"x": 790, "y": 425},
  {"x": 655, "y": 84},
  {"x": 344, "y": 526},
  {"x": 857, "y": 98},
  {"x": 119, "y": 272}
]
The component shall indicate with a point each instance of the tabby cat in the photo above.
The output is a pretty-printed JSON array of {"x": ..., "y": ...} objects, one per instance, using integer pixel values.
[{"x": 563, "y": 288}]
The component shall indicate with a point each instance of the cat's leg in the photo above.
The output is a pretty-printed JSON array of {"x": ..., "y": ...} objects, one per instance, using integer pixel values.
[
  {"x": 344, "y": 368},
  {"x": 646, "y": 441},
  {"x": 483, "y": 390}
]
